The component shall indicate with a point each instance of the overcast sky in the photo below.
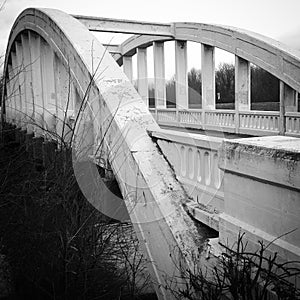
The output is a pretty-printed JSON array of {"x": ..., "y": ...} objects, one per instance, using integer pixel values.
[{"x": 277, "y": 19}]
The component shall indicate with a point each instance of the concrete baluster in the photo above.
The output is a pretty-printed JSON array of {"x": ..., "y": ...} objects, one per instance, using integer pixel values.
[
  {"x": 207, "y": 168},
  {"x": 142, "y": 74},
  {"x": 183, "y": 161},
  {"x": 199, "y": 165},
  {"x": 159, "y": 75},
  {"x": 191, "y": 163}
]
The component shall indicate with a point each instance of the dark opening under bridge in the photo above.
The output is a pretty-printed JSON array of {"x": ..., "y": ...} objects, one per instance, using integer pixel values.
[{"x": 60, "y": 81}]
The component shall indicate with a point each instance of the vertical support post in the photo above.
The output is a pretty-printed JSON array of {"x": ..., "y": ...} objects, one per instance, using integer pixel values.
[
  {"x": 242, "y": 88},
  {"x": 16, "y": 88},
  {"x": 142, "y": 74},
  {"x": 49, "y": 95},
  {"x": 287, "y": 104},
  {"x": 159, "y": 75},
  {"x": 208, "y": 77},
  {"x": 28, "y": 80},
  {"x": 65, "y": 99},
  {"x": 208, "y": 80},
  {"x": 181, "y": 75},
  {"x": 22, "y": 87},
  {"x": 10, "y": 104},
  {"x": 36, "y": 85},
  {"x": 127, "y": 67},
  {"x": 7, "y": 101}
]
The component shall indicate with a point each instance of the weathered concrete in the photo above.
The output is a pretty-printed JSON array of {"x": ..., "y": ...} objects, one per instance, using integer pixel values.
[
  {"x": 262, "y": 193},
  {"x": 194, "y": 159},
  {"x": 153, "y": 196},
  {"x": 125, "y": 26},
  {"x": 66, "y": 62},
  {"x": 208, "y": 77},
  {"x": 181, "y": 80}
]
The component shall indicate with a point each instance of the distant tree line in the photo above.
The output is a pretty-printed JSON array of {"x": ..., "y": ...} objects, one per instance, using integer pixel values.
[{"x": 264, "y": 89}]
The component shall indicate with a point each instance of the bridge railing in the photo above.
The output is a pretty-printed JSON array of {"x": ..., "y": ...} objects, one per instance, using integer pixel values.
[
  {"x": 244, "y": 122},
  {"x": 195, "y": 161},
  {"x": 292, "y": 125}
]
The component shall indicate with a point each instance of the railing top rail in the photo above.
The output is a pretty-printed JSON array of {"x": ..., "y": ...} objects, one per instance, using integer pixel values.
[
  {"x": 166, "y": 109},
  {"x": 191, "y": 110},
  {"x": 187, "y": 138},
  {"x": 292, "y": 114},
  {"x": 261, "y": 113},
  {"x": 220, "y": 111}
]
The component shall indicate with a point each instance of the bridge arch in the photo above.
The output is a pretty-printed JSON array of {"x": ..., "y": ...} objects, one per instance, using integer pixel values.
[
  {"x": 273, "y": 56},
  {"x": 64, "y": 59},
  {"x": 248, "y": 48}
]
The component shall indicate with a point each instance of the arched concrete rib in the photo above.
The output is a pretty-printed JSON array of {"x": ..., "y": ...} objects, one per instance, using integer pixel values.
[
  {"x": 271, "y": 55},
  {"x": 152, "y": 193}
]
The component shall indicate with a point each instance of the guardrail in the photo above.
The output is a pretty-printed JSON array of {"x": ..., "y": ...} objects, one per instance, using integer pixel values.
[{"x": 257, "y": 123}]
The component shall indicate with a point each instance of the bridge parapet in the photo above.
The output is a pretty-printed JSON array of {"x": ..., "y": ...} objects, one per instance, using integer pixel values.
[
  {"x": 262, "y": 193},
  {"x": 194, "y": 159}
]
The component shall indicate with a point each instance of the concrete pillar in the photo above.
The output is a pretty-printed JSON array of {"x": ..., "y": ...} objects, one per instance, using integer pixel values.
[
  {"x": 127, "y": 67},
  {"x": 16, "y": 88},
  {"x": 181, "y": 75},
  {"x": 208, "y": 77},
  {"x": 142, "y": 74},
  {"x": 22, "y": 85},
  {"x": 7, "y": 115},
  {"x": 242, "y": 88},
  {"x": 64, "y": 97},
  {"x": 288, "y": 103},
  {"x": 10, "y": 97},
  {"x": 28, "y": 81},
  {"x": 159, "y": 75},
  {"x": 14, "y": 92},
  {"x": 242, "y": 84},
  {"x": 36, "y": 87},
  {"x": 49, "y": 95}
]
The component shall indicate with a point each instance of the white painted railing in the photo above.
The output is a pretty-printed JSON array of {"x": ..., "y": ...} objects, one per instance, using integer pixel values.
[
  {"x": 195, "y": 161},
  {"x": 220, "y": 118},
  {"x": 259, "y": 122},
  {"x": 292, "y": 123},
  {"x": 245, "y": 122},
  {"x": 166, "y": 116},
  {"x": 192, "y": 118}
]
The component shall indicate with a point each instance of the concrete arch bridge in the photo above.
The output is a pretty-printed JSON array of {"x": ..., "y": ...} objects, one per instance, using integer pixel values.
[{"x": 60, "y": 81}]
